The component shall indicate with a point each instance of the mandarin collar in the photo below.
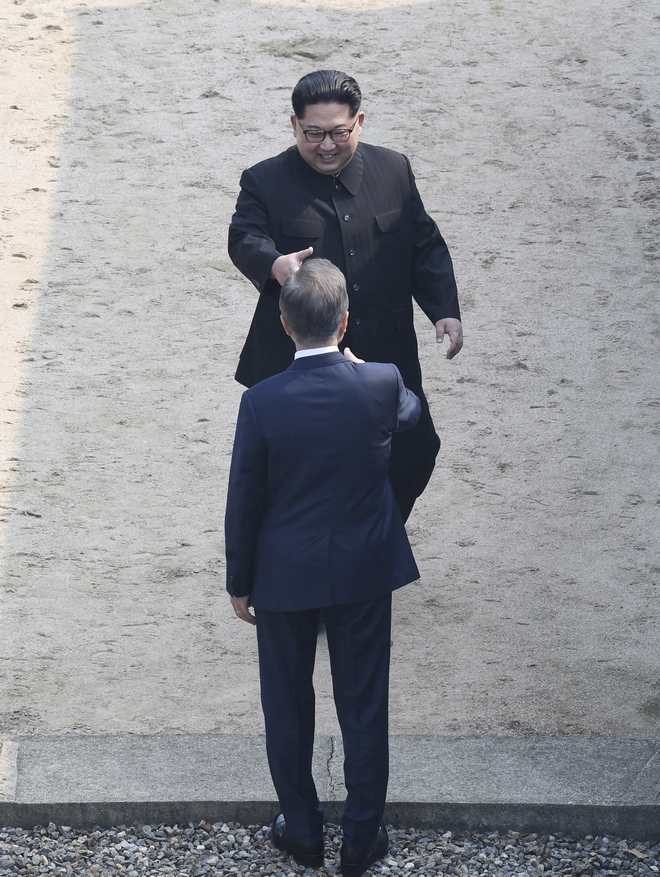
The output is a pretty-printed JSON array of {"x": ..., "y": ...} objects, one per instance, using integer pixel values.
[{"x": 350, "y": 177}]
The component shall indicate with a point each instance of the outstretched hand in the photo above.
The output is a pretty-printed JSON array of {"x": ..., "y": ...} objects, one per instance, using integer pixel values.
[
  {"x": 285, "y": 266},
  {"x": 241, "y": 606},
  {"x": 452, "y": 327},
  {"x": 348, "y": 353}
]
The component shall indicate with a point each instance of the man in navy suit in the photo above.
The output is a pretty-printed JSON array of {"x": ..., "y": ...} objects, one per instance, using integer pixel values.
[{"x": 312, "y": 524}]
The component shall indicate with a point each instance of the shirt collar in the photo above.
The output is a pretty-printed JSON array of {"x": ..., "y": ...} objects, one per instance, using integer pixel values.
[{"x": 314, "y": 351}]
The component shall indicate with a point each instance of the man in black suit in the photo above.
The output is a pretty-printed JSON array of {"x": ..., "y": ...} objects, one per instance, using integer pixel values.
[
  {"x": 312, "y": 524},
  {"x": 356, "y": 205}
]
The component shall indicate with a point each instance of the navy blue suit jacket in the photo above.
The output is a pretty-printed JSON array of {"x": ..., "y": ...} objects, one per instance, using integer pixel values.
[{"x": 311, "y": 519}]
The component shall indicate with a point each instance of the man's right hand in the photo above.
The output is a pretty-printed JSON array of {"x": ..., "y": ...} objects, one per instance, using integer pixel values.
[
  {"x": 241, "y": 606},
  {"x": 348, "y": 353},
  {"x": 285, "y": 266}
]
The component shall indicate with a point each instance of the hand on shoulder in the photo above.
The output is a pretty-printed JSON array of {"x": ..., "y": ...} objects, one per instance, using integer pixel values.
[{"x": 348, "y": 353}]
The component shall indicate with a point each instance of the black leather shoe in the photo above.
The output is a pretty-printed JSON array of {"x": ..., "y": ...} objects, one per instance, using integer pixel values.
[
  {"x": 355, "y": 862},
  {"x": 307, "y": 855}
]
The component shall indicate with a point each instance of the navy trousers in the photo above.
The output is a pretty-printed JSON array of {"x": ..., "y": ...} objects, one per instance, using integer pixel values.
[{"x": 359, "y": 646}]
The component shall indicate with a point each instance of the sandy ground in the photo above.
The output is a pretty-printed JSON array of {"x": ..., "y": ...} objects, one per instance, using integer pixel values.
[{"x": 533, "y": 131}]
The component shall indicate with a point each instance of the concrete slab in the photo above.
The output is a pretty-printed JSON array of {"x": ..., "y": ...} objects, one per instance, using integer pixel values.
[
  {"x": 524, "y": 771},
  {"x": 546, "y": 785}
]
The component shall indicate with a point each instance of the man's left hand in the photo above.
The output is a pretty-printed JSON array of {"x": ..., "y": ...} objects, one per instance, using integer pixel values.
[
  {"x": 241, "y": 606},
  {"x": 452, "y": 327}
]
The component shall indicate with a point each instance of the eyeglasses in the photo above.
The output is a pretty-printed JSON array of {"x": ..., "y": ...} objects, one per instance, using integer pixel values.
[{"x": 337, "y": 135}]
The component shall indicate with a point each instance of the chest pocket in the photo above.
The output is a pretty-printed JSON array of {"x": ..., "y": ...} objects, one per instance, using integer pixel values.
[
  {"x": 390, "y": 221},
  {"x": 302, "y": 228}
]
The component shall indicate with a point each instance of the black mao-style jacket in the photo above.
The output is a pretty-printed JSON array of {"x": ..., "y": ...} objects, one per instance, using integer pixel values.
[{"x": 370, "y": 222}]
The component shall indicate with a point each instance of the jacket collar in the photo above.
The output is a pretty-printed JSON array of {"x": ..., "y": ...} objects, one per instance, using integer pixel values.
[
  {"x": 321, "y": 184},
  {"x": 318, "y": 361},
  {"x": 351, "y": 176}
]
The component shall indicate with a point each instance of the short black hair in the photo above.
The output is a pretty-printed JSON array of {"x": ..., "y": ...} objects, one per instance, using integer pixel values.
[
  {"x": 314, "y": 300},
  {"x": 326, "y": 87}
]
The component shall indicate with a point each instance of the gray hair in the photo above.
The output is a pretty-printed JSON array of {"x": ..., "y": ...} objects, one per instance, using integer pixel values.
[{"x": 314, "y": 300}]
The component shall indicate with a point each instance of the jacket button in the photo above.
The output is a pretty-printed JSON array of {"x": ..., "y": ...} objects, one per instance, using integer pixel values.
[
  {"x": 356, "y": 286},
  {"x": 357, "y": 322},
  {"x": 337, "y": 186},
  {"x": 346, "y": 217},
  {"x": 351, "y": 252}
]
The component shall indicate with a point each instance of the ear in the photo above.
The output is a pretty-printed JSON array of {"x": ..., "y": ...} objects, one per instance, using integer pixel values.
[
  {"x": 342, "y": 328},
  {"x": 360, "y": 122},
  {"x": 294, "y": 125},
  {"x": 286, "y": 326}
]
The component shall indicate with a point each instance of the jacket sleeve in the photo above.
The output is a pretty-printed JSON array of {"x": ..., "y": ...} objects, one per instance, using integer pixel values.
[
  {"x": 434, "y": 284},
  {"x": 251, "y": 247},
  {"x": 246, "y": 500},
  {"x": 410, "y": 407}
]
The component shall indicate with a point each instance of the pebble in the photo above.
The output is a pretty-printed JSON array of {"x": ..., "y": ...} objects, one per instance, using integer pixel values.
[{"x": 233, "y": 849}]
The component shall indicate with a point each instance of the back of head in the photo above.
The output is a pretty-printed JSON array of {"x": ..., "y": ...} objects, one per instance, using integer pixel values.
[
  {"x": 314, "y": 301},
  {"x": 326, "y": 87}
]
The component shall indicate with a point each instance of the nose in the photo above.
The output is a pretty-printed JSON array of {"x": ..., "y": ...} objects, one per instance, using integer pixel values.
[{"x": 327, "y": 140}]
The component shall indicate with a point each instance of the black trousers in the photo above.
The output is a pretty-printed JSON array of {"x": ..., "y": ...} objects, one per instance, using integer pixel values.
[
  {"x": 412, "y": 460},
  {"x": 359, "y": 646}
]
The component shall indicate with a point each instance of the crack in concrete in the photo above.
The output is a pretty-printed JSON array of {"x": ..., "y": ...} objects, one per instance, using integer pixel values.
[{"x": 329, "y": 765}]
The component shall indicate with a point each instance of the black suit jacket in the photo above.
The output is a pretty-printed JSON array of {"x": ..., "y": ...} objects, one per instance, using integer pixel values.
[
  {"x": 311, "y": 519},
  {"x": 371, "y": 223}
]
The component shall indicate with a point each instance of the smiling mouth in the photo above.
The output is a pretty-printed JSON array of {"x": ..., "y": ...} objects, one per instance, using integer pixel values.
[{"x": 327, "y": 156}]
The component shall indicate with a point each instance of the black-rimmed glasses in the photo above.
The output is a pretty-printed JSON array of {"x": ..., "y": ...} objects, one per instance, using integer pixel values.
[{"x": 337, "y": 135}]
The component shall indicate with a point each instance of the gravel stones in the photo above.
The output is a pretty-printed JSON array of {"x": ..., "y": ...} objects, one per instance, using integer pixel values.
[{"x": 227, "y": 849}]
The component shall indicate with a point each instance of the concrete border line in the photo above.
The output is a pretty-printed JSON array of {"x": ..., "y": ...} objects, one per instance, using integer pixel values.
[{"x": 640, "y": 823}]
